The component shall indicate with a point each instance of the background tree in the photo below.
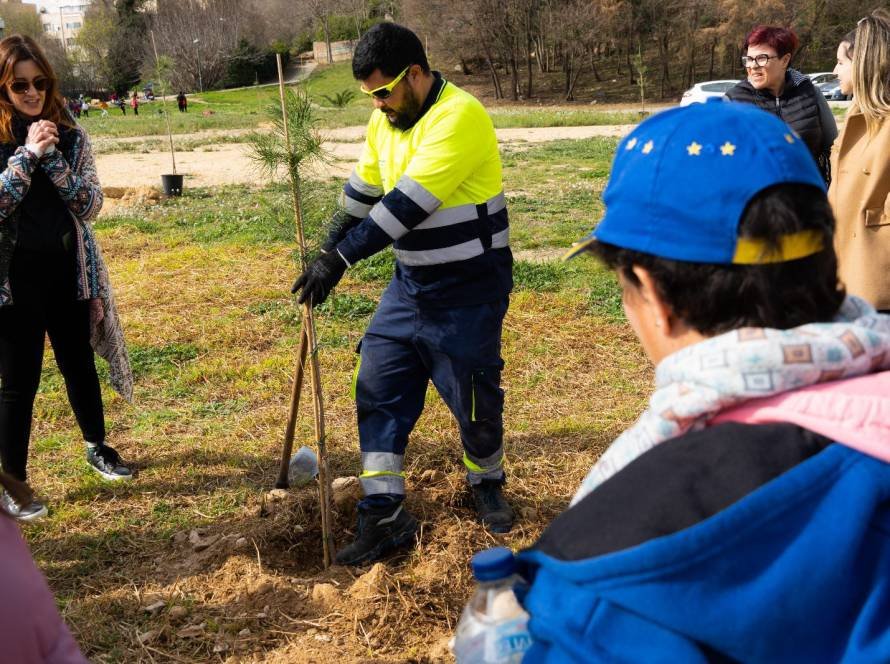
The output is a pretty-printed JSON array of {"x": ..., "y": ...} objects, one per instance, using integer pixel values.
[
  {"x": 200, "y": 37},
  {"x": 21, "y": 19}
]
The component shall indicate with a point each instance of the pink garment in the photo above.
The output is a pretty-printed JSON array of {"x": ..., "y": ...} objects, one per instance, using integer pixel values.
[
  {"x": 854, "y": 412},
  {"x": 31, "y": 629}
]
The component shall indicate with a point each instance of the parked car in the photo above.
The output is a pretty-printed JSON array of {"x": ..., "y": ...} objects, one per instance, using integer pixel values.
[
  {"x": 822, "y": 77},
  {"x": 701, "y": 92},
  {"x": 832, "y": 91}
]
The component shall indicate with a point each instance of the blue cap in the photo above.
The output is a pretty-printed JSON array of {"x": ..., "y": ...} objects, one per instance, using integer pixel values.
[
  {"x": 493, "y": 564},
  {"x": 681, "y": 180}
]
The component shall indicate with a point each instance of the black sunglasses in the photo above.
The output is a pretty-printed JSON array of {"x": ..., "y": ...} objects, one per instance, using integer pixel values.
[{"x": 20, "y": 87}]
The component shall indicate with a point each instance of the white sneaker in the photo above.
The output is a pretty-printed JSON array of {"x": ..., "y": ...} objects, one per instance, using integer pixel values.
[{"x": 30, "y": 512}]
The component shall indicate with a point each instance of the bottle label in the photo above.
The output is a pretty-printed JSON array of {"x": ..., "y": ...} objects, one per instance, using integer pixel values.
[{"x": 507, "y": 641}]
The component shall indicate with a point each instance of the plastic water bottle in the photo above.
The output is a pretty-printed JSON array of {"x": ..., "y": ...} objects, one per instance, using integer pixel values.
[
  {"x": 493, "y": 627},
  {"x": 303, "y": 467}
]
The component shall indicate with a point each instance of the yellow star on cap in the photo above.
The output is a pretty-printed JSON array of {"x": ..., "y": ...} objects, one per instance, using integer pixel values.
[
  {"x": 727, "y": 149},
  {"x": 789, "y": 138},
  {"x": 647, "y": 148},
  {"x": 694, "y": 149},
  {"x": 631, "y": 144}
]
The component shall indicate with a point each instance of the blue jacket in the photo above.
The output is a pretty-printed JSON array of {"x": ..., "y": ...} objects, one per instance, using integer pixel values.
[{"x": 746, "y": 550}]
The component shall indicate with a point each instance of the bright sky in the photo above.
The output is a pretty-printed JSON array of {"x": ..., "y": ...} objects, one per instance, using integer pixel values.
[{"x": 54, "y": 4}]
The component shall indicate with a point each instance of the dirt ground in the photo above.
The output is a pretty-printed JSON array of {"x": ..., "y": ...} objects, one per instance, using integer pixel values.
[{"x": 228, "y": 163}]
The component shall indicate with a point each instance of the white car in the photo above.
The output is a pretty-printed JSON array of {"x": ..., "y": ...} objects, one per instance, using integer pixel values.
[
  {"x": 701, "y": 92},
  {"x": 822, "y": 77}
]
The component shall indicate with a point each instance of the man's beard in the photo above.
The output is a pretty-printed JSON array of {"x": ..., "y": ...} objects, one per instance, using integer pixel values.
[{"x": 410, "y": 111}]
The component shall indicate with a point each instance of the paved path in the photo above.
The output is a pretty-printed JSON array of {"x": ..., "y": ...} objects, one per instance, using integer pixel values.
[{"x": 228, "y": 163}]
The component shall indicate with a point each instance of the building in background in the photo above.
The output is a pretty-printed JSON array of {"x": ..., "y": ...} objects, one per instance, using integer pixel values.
[
  {"x": 61, "y": 19},
  {"x": 340, "y": 51}
]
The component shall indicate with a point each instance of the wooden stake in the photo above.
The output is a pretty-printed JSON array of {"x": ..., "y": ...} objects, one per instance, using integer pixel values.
[
  {"x": 308, "y": 325},
  {"x": 288, "y": 446},
  {"x": 163, "y": 100}
]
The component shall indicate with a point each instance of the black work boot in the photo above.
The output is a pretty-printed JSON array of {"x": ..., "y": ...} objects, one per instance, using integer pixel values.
[
  {"x": 491, "y": 506},
  {"x": 379, "y": 531}
]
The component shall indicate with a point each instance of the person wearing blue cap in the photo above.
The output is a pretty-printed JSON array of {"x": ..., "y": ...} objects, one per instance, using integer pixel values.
[{"x": 744, "y": 516}]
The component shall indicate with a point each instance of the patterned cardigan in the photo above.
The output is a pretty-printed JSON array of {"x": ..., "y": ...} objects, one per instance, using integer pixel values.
[{"x": 72, "y": 169}]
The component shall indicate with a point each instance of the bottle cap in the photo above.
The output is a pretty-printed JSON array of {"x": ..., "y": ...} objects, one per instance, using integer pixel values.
[{"x": 493, "y": 564}]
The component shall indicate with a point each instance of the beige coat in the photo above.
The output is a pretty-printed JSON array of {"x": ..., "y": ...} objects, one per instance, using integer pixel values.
[{"x": 860, "y": 197}]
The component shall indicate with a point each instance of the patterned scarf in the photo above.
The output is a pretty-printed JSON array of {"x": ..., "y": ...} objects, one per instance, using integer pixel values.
[{"x": 697, "y": 382}]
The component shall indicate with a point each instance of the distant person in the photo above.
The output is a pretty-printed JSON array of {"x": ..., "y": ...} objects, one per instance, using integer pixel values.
[
  {"x": 31, "y": 629},
  {"x": 860, "y": 187},
  {"x": 122, "y": 104},
  {"x": 182, "y": 102},
  {"x": 134, "y": 102},
  {"x": 103, "y": 106},
  {"x": 85, "y": 108},
  {"x": 743, "y": 517},
  {"x": 53, "y": 280},
  {"x": 786, "y": 93}
]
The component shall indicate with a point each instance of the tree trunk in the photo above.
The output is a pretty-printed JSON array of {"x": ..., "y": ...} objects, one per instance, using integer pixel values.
[
  {"x": 327, "y": 38},
  {"x": 630, "y": 67},
  {"x": 495, "y": 79},
  {"x": 596, "y": 74},
  {"x": 713, "y": 50},
  {"x": 571, "y": 92},
  {"x": 539, "y": 53},
  {"x": 528, "y": 61},
  {"x": 567, "y": 65}
]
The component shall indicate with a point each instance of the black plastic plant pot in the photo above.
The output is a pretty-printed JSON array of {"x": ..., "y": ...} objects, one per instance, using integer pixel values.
[{"x": 172, "y": 185}]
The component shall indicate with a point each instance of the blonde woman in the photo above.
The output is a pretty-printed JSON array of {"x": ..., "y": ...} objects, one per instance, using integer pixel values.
[{"x": 860, "y": 189}]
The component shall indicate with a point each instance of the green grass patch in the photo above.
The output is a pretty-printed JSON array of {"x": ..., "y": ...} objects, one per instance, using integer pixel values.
[
  {"x": 150, "y": 121},
  {"x": 377, "y": 268},
  {"x": 544, "y": 276},
  {"x": 232, "y": 214},
  {"x": 604, "y": 294},
  {"x": 521, "y": 117},
  {"x": 161, "y": 359},
  {"x": 554, "y": 189},
  {"x": 346, "y": 306},
  {"x": 248, "y": 108}
]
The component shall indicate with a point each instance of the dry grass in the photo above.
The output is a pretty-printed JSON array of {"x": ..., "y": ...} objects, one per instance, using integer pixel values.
[{"x": 213, "y": 338}]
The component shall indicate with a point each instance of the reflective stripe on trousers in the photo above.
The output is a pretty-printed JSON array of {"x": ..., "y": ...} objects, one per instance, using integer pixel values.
[
  {"x": 489, "y": 468},
  {"x": 458, "y": 348}
]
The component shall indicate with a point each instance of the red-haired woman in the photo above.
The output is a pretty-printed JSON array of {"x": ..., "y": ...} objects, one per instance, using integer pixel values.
[
  {"x": 53, "y": 280},
  {"x": 785, "y": 92}
]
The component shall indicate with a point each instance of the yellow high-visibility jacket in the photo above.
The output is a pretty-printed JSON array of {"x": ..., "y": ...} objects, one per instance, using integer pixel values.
[{"x": 435, "y": 192}]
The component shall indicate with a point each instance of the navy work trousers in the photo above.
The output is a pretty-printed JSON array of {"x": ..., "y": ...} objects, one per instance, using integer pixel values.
[{"x": 404, "y": 347}]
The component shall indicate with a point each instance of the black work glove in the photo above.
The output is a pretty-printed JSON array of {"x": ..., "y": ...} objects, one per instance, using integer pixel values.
[{"x": 320, "y": 278}]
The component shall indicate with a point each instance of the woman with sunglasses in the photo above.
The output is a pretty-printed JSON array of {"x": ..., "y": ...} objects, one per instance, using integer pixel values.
[
  {"x": 53, "y": 280},
  {"x": 860, "y": 190},
  {"x": 774, "y": 87}
]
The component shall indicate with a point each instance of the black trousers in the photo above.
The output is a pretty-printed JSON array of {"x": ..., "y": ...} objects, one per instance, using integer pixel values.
[{"x": 43, "y": 293}]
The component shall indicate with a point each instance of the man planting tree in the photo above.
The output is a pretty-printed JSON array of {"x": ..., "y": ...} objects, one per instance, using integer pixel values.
[{"x": 429, "y": 183}]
